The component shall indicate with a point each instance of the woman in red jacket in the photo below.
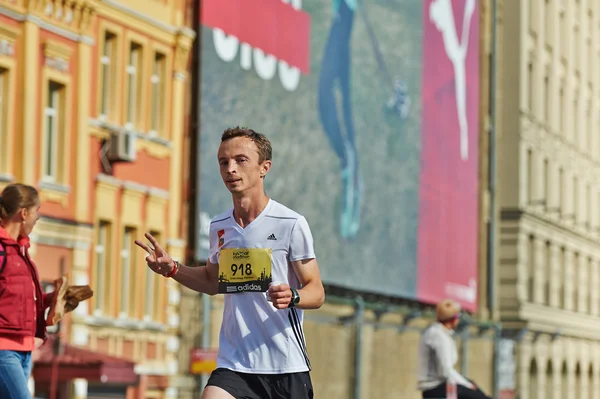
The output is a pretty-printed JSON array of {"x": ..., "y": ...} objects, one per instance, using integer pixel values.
[{"x": 22, "y": 302}]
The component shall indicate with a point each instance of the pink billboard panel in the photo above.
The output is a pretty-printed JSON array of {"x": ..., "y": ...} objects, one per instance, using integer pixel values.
[{"x": 448, "y": 200}]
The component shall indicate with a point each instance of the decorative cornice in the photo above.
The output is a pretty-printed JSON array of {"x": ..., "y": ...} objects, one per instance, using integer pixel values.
[
  {"x": 57, "y": 55},
  {"x": 9, "y": 33}
]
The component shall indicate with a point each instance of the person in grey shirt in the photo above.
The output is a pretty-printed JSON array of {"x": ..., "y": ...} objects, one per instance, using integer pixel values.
[{"x": 438, "y": 356}]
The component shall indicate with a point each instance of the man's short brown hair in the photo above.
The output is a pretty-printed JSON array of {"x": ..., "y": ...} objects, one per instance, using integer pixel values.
[
  {"x": 447, "y": 310},
  {"x": 263, "y": 144}
]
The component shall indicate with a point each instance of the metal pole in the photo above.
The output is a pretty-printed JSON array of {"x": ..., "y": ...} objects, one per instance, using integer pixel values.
[
  {"x": 492, "y": 190},
  {"x": 194, "y": 155},
  {"x": 492, "y": 173},
  {"x": 194, "y": 195},
  {"x": 359, "y": 321},
  {"x": 58, "y": 347},
  {"x": 464, "y": 360}
]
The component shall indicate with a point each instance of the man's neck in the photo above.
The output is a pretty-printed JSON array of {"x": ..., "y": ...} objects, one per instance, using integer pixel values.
[{"x": 247, "y": 207}]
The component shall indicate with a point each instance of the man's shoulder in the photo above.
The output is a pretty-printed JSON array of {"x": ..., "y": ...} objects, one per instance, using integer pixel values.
[
  {"x": 280, "y": 211},
  {"x": 221, "y": 219}
]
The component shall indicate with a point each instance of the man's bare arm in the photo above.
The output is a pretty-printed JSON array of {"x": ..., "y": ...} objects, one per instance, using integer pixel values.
[
  {"x": 200, "y": 279},
  {"x": 312, "y": 293}
]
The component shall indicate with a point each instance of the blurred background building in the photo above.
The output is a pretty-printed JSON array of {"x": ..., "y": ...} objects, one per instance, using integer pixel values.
[
  {"x": 92, "y": 100},
  {"x": 548, "y": 194}
]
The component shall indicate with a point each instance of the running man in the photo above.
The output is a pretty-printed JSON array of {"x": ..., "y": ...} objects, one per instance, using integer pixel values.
[
  {"x": 335, "y": 66},
  {"x": 262, "y": 352}
]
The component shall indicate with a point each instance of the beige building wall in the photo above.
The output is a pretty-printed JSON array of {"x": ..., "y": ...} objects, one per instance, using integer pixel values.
[{"x": 549, "y": 191}]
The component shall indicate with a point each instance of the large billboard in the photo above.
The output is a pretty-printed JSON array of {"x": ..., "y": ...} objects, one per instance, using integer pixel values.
[{"x": 372, "y": 110}]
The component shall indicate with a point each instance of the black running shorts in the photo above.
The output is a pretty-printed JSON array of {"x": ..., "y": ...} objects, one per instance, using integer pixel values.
[{"x": 262, "y": 386}]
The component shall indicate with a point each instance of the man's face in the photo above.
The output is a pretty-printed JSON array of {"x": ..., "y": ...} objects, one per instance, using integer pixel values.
[{"x": 239, "y": 165}]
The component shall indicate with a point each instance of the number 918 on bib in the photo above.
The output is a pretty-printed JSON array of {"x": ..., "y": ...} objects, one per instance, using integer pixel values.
[{"x": 244, "y": 270}]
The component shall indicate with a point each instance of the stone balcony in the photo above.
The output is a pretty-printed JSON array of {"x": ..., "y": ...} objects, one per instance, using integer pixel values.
[{"x": 73, "y": 15}]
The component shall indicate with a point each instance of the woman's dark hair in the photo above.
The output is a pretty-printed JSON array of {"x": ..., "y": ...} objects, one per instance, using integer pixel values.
[{"x": 16, "y": 196}]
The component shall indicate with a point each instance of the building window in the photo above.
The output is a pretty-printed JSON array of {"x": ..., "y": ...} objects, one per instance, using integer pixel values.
[
  {"x": 530, "y": 90},
  {"x": 585, "y": 133},
  {"x": 546, "y": 181},
  {"x": 108, "y": 61},
  {"x": 128, "y": 280},
  {"x": 547, "y": 99},
  {"x": 576, "y": 133},
  {"x": 548, "y": 19},
  {"x": 576, "y": 207},
  {"x": 561, "y": 191},
  {"x": 102, "y": 266},
  {"x": 576, "y": 48},
  {"x": 547, "y": 272},
  {"x": 589, "y": 54},
  {"x": 597, "y": 216},
  {"x": 53, "y": 132},
  {"x": 592, "y": 282},
  {"x": 531, "y": 268},
  {"x": 134, "y": 86},
  {"x": 533, "y": 15},
  {"x": 561, "y": 115},
  {"x": 4, "y": 79},
  {"x": 575, "y": 275},
  {"x": 588, "y": 286},
  {"x": 158, "y": 80},
  {"x": 588, "y": 206},
  {"x": 530, "y": 177},
  {"x": 563, "y": 34},
  {"x": 152, "y": 289},
  {"x": 562, "y": 278}
]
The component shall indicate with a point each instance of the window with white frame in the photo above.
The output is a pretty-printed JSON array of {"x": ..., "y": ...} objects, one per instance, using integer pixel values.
[
  {"x": 158, "y": 81},
  {"x": 151, "y": 288},
  {"x": 128, "y": 282},
  {"x": 53, "y": 127},
  {"x": 107, "y": 62},
  {"x": 134, "y": 72},
  {"x": 102, "y": 261}
]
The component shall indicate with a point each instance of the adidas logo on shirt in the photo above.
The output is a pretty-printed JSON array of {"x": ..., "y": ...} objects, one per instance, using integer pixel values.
[{"x": 271, "y": 237}]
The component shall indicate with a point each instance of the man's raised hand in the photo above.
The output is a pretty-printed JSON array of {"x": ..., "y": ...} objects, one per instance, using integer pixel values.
[{"x": 158, "y": 260}]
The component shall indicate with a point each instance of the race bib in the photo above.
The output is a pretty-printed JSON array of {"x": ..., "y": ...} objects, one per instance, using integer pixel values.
[{"x": 244, "y": 270}]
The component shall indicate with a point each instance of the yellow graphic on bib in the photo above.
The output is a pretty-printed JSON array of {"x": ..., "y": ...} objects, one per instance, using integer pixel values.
[{"x": 244, "y": 270}]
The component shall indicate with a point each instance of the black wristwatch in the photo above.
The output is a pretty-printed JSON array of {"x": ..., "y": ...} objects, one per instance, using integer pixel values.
[{"x": 295, "y": 298}]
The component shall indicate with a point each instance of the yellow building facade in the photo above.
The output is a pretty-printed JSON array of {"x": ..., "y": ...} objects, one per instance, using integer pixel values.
[
  {"x": 92, "y": 99},
  {"x": 549, "y": 165}
]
